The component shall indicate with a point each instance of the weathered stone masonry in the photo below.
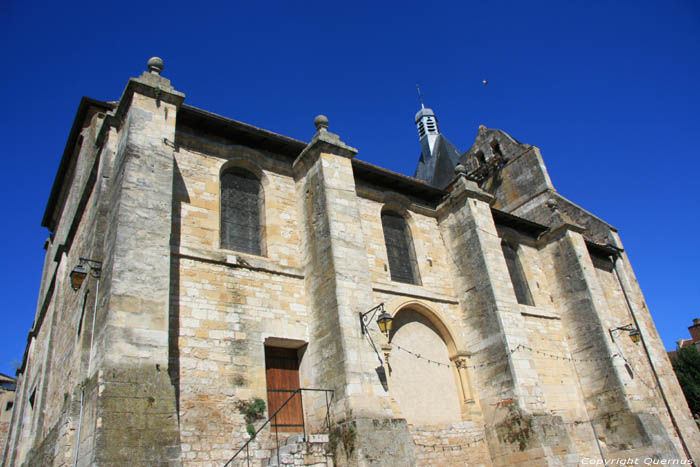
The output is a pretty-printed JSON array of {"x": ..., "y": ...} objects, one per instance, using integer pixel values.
[{"x": 150, "y": 360}]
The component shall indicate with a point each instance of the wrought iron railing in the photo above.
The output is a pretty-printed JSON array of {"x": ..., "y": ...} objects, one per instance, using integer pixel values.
[{"x": 327, "y": 423}]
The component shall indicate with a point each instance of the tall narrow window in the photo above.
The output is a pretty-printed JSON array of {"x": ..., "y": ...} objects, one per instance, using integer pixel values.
[
  {"x": 32, "y": 397},
  {"x": 399, "y": 249},
  {"x": 517, "y": 275},
  {"x": 241, "y": 210}
]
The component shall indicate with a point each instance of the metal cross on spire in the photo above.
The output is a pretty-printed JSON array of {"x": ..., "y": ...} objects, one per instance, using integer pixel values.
[{"x": 420, "y": 96}]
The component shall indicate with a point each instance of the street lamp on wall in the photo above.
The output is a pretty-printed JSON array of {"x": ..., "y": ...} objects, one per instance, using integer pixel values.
[
  {"x": 80, "y": 272},
  {"x": 384, "y": 321},
  {"x": 635, "y": 336}
]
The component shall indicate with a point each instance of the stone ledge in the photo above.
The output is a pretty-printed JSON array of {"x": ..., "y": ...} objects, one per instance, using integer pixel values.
[
  {"x": 414, "y": 291},
  {"x": 537, "y": 312},
  {"x": 236, "y": 260}
]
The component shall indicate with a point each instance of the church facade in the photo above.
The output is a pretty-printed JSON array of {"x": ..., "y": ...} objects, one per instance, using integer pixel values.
[{"x": 197, "y": 264}]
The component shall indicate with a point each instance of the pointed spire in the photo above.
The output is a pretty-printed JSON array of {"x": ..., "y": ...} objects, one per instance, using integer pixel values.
[
  {"x": 438, "y": 156},
  {"x": 427, "y": 125}
]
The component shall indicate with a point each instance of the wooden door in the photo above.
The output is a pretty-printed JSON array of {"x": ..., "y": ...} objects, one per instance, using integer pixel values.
[{"x": 282, "y": 373}]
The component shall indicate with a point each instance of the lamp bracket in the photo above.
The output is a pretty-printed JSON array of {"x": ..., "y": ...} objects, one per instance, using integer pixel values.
[
  {"x": 95, "y": 266},
  {"x": 626, "y": 327},
  {"x": 364, "y": 320}
]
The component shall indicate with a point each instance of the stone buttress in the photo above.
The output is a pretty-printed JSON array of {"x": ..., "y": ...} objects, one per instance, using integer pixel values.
[
  {"x": 136, "y": 414},
  {"x": 339, "y": 288}
]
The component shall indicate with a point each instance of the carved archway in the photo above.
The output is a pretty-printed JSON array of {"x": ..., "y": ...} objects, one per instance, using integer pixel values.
[{"x": 427, "y": 370}]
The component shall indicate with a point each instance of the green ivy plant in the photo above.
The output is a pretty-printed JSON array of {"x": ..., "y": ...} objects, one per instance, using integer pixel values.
[{"x": 253, "y": 410}]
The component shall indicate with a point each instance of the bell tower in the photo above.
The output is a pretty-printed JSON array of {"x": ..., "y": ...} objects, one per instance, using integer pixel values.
[{"x": 438, "y": 156}]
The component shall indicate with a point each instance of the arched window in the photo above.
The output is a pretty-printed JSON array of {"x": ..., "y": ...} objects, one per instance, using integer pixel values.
[
  {"x": 399, "y": 249},
  {"x": 517, "y": 275},
  {"x": 241, "y": 211}
]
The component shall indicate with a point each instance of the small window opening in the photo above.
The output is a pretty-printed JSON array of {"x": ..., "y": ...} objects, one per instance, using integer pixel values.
[
  {"x": 480, "y": 157},
  {"x": 496, "y": 148},
  {"x": 31, "y": 398},
  {"x": 421, "y": 129},
  {"x": 517, "y": 275},
  {"x": 601, "y": 261},
  {"x": 9, "y": 406}
]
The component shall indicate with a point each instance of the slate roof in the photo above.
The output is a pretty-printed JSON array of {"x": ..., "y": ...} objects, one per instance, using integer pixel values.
[{"x": 438, "y": 169}]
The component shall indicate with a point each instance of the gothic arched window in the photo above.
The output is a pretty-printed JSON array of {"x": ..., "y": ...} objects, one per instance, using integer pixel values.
[
  {"x": 399, "y": 249},
  {"x": 241, "y": 211},
  {"x": 517, "y": 275}
]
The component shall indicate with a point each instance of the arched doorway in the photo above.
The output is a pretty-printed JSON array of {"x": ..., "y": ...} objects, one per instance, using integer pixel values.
[{"x": 423, "y": 379}]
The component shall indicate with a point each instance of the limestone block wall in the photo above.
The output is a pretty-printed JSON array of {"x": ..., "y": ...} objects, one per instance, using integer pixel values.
[
  {"x": 523, "y": 176},
  {"x": 460, "y": 443},
  {"x": 669, "y": 387},
  {"x": 56, "y": 361},
  {"x": 588, "y": 304},
  {"x": 6, "y": 400},
  {"x": 431, "y": 255},
  {"x": 224, "y": 315},
  {"x": 200, "y": 161},
  {"x": 226, "y": 305},
  {"x": 638, "y": 377},
  {"x": 547, "y": 335},
  {"x": 533, "y": 268}
]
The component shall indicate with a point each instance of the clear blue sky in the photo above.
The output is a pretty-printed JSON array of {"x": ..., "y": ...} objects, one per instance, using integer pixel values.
[{"x": 607, "y": 90}]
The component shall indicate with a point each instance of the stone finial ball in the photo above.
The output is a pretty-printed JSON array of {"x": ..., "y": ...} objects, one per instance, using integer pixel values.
[
  {"x": 155, "y": 65},
  {"x": 321, "y": 122},
  {"x": 552, "y": 204},
  {"x": 460, "y": 169}
]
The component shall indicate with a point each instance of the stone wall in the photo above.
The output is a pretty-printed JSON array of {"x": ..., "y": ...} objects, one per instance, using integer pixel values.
[
  {"x": 6, "y": 401},
  {"x": 461, "y": 443},
  {"x": 58, "y": 353}
]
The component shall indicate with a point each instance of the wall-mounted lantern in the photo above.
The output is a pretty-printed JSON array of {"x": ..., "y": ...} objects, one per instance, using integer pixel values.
[
  {"x": 635, "y": 335},
  {"x": 383, "y": 321},
  {"x": 80, "y": 272}
]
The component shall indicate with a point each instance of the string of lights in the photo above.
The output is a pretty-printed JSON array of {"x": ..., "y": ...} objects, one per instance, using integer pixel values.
[
  {"x": 521, "y": 347},
  {"x": 511, "y": 351},
  {"x": 420, "y": 357}
]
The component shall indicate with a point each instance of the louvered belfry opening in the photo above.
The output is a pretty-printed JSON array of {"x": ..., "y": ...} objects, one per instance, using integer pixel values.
[
  {"x": 399, "y": 248},
  {"x": 241, "y": 209},
  {"x": 517, "y": 275}
]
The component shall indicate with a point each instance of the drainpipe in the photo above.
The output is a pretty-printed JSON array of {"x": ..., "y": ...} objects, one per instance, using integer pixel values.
[
  {"x": 80, "y": 423},
  {"x": 82, "y": 388},
  {"x": 92, "y": 332},
  {"x": 651, "y": 363}
]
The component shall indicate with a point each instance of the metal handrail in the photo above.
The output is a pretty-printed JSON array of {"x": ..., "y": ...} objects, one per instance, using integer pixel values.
[{"x": 300, "y": 390}]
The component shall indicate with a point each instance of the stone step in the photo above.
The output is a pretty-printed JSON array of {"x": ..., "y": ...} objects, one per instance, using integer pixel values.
[{"x": 298, "y": 452}]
